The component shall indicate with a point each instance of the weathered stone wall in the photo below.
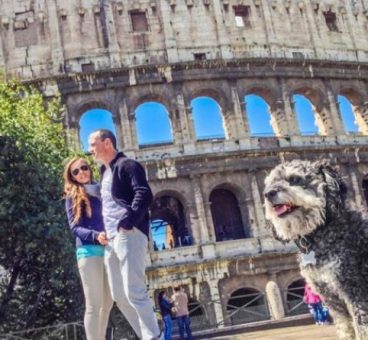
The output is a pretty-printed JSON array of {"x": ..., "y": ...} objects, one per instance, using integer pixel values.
[{"x": 42, "y": 38}]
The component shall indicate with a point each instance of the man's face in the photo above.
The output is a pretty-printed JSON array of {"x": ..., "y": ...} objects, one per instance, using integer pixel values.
[{"x": 97, "y": 147}]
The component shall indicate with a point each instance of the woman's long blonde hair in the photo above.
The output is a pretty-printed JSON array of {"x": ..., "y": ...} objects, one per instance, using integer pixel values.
[{"x": 76, "y": 191}]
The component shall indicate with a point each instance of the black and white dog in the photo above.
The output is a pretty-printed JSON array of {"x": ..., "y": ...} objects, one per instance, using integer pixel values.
[{"x": 305, "y": 202}]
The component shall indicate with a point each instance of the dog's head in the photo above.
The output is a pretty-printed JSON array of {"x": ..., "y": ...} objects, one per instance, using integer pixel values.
[{"x": 300, "y": 196}]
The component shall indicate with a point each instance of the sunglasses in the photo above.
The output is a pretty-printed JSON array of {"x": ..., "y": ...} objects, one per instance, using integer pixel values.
[{"x": 75, "y": 172}]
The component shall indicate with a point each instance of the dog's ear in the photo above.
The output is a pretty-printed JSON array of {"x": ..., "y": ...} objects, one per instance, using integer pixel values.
[
  {"x": 272, "y": 229},
  {"x": 335, "y": 188}
]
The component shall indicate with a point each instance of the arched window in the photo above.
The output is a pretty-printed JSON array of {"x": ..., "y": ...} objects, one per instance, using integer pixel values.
[
  {"x": 259, "y": 117},
  {"x": 305, "y": 115},
  {"x": 294, "y": 298},
  {"x": 153, "y": 124},
  {"x": 208, "y": 119},
  {"x": 226, "y": 216},
  {"x": 92, "y": 120},
  {"x": 365, "y": 188},
  {"x": 247, "y": 305},
  {"x": 347, "y": 114},
  {"x": 169, "y": 229}
]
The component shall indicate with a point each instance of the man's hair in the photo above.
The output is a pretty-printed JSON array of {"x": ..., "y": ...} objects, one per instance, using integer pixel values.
[
  {"x": 104, "y": 134},
  {"x": 177, "y": 289}
]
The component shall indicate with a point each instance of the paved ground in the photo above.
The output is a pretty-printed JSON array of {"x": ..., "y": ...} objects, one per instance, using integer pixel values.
[{"x": 309, "y": 332}]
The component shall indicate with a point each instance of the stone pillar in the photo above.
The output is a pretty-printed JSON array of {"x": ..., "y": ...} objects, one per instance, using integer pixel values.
[
  {"x": 193, "y": 220},
  {"x": 186, "y": 126},
  {"x": 209, "y": 220},
  {"x": 274, "y": 299},
  {"x": 109, "y": 23},
  {"x": 292, "y": 125},
  {"x": 249, "y": 208},
  {"x": 334, "y": 113},
  {"x": 222, "y": 34},
  {"x": 168, "y": 32},
  {"x": 361, "y": 116},
  {"x": 57, "y": 53},
  {"x": 258, "y": 204},
  {"x": 217, "y": 302},
  {"x": 72, "y": 130},
  {"x": 241, "y": 125},
  {"x": 198, "y": 199},
  {"x": 278, "y": 118},
  {"x": 2, "y": 58},
  {"x": 126, "y": 128},
  {"x": 358, "y": 199}
]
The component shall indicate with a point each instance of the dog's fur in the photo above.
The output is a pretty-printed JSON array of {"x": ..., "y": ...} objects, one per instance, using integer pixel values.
[{"x": 305, "y": 202}]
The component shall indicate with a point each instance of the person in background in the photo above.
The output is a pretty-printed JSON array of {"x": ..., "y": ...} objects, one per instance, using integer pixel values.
[
  {"x": 84, "y": 211},
  {"x": 126, "y": 197},
  {"x": 180, "y": 300},
  {"x": 314, "y": 301},
  {"x": 165, "y": 308}
]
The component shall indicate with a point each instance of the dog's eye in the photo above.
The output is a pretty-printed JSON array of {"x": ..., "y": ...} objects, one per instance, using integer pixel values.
[{"x": 295, "y": 180}]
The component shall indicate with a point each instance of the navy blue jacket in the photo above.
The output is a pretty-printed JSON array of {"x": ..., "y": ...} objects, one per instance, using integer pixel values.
[
  {"x": 131, "y": 191},
  {"x": 86, "y": 229},
  {"x": 165, "y": 307}
]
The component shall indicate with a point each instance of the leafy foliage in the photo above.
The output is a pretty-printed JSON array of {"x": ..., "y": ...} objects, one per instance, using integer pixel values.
[{"x": 39, "y": 285}]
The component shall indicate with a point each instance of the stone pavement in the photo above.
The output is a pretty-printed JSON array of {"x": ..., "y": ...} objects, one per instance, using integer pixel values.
[{"x": 309, "y": 332}]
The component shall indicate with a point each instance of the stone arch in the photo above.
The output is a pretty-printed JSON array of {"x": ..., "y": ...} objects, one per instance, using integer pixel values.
[
  {"x": 359, "y": 107},
  {"x": 229, "y": 221},
  {"x": 318, "y": 103},
  {"x": 260, "y": 120},
  {"x": 294, "y": 293},
  {"x": 169, "y": 207},
  {"x": 203, "y": 110},
  {"x": 88, "y": 105},
  {"x": 149, "y": 114},
  {"x": 276, "y": 107},
  {"x": 247, "y": 304},
  {"x": 136, "y": 100},
  {"x": 212, "y": 92}
]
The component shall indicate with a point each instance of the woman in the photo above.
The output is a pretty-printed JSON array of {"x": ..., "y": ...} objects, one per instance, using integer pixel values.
[
  {"x": 314, "y": 301},
  {"x": 84, "y": 210},
  {"x": 165, "y": 308}
]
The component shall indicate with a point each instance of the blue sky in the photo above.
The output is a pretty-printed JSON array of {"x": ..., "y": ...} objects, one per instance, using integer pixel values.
[{"x": 153, "y": 124}]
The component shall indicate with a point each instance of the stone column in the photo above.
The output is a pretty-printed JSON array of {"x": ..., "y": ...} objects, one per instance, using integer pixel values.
[
  {"x": 186, "y": 126},
  {"x": 109, "y": 22},
  {"x": 250, "y": 208},
  {"x": 291, "y": 125},
  {"x": 209, "y": 220},
  {"x": 198, "y": 199},
  {"x": 274, "y": 299},
  {"x": 57, "y": 53},
  {"x": 126, "y": 128},
  {"x": 222, "y": 34},
  {"x": 193, "y": 220},
  {"x": 361, "y": 114},
  {"x": 217, "y": 302},
  {"x": 258, "y": 203},
  {"x": 241, "y": 124},
  {"x": 168, "y": 32},
  {"x": 334, "y": 113},
  {"x": 2, "y": 58},
  {"x": 72, "y": 129},
  {"x": 278, "y": 118}
]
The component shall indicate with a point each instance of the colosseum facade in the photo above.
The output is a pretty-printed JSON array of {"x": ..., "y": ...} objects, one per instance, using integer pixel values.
[{"x": 117, "y": 55}]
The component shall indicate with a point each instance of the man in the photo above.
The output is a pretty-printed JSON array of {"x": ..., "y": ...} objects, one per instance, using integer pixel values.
[
  {"x": 180, "y": 300},
  {"x": 126, "y": 197}
]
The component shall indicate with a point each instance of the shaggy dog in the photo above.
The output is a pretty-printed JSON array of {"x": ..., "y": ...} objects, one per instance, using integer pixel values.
[{"x": 305, "y": 202}]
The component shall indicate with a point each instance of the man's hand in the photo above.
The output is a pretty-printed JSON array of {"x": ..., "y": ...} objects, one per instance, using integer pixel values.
[{"x": 102, "y": 238}]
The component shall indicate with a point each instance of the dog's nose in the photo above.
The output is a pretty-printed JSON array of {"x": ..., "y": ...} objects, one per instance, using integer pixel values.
[{"x": 270, "y": 194}]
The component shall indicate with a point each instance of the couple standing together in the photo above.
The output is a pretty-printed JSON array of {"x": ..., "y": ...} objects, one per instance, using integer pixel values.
[{"x": 111, "y": 226}]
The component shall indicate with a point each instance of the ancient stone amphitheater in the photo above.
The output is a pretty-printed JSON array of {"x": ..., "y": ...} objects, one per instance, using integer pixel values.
[{"x": 117, "y": 55}]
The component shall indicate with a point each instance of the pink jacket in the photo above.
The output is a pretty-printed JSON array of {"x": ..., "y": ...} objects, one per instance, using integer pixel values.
[{"x": 310, "y": 297}]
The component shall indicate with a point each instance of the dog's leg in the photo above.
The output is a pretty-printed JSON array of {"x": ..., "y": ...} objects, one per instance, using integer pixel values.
[
  {"x": 341, "y": 318},
  {"x": 360, "y": 317}
]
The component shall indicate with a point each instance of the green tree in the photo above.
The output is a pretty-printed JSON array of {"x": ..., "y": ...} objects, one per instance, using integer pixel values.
[{"x": 39, "y": 285}]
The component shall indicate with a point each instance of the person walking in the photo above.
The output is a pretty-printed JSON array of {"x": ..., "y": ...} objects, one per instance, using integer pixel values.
[
  {"x": 165, "y": 309},
  {"x": 180, "y": 300},
  {"x": 126, "y": 197},
  {"x": 84, "y": 212},
  {"x": 315, "y": 302}
]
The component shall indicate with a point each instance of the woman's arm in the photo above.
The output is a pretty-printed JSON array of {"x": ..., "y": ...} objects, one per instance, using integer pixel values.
[{"x": 78, "y": 230}]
